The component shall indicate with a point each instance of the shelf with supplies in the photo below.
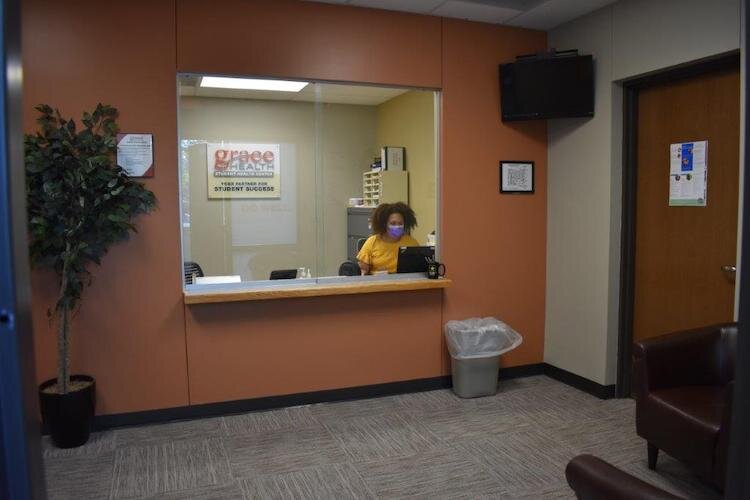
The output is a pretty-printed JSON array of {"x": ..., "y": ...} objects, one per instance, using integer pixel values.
[{"x": 385, "y": 186}]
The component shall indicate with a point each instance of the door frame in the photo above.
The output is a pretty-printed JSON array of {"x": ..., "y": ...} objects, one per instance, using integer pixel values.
[
  {"x": 631, "y": 90},
  {"x": 21, "y": 469}
]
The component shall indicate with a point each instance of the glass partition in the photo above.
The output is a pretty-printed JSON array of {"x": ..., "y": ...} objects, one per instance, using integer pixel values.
[{"x": 282, "y": 184}]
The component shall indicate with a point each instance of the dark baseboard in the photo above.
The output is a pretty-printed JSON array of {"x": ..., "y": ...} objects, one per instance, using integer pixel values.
[
  {"x": 580, "y": 383},
  {"x": 268, "y": 403},
  {"x": 102, "y": 422},
  {"x": 521, "y": 371}
]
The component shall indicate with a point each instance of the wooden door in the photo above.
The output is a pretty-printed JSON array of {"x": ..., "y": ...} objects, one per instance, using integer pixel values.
[{"x": 680, "y": 251}]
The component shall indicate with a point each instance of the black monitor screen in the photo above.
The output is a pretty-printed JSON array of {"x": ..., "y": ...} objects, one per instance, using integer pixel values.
[
  {"x": 414, "y": 259},
  {"x": 547, "y": 88}
]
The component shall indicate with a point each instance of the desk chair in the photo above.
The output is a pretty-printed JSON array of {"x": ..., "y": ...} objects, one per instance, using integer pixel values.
[
  {"x": 349, "y": 268},
  {"x": 191, "y": 271}
]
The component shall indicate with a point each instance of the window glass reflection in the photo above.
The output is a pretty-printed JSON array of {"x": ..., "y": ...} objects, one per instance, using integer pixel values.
[{"x": 284, "y": 184}]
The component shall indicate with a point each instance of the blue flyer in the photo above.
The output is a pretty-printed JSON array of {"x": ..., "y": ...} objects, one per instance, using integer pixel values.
[{"x": 687, "y": 157}]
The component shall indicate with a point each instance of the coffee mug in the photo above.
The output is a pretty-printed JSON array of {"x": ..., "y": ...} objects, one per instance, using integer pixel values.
[{"x": 435, "y": 270}]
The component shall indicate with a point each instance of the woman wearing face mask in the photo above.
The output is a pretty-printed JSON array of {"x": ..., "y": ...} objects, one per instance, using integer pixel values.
[{"x": 391, "y": 225}]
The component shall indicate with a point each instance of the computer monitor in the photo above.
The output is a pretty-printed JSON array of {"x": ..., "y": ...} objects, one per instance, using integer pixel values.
[
  {"x": 414, "y": 259},
  {"x": 283, "y": 274}
]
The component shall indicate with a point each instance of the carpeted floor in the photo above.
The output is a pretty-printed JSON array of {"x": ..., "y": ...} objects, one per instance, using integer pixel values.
[{"x": 429, "y": 445}]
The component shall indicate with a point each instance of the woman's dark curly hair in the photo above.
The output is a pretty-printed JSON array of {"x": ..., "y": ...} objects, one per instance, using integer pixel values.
[{"x": 384, "y": 210}]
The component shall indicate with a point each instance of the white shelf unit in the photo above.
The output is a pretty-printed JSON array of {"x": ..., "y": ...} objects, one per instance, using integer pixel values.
[{"x": 385, "y": 187}]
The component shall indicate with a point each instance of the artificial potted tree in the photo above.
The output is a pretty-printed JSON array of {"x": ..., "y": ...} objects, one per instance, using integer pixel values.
[{"x": 79, "y": 204}]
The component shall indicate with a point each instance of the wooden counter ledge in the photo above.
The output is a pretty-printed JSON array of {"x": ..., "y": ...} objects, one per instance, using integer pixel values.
[{"x": 313, "y": 290}]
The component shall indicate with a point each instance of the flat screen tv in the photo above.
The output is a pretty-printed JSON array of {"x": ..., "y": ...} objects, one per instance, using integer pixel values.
[{"x": 552, "y": 87}]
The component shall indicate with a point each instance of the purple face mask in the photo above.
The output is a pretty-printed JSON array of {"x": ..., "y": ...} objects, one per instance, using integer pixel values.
[{"x": 395, "y": 231}]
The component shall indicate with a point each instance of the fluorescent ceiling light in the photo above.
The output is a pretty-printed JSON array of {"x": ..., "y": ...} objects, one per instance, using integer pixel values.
[{"x": 221, "y": 82}]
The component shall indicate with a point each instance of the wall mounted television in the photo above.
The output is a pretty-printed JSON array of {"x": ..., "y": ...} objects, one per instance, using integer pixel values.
[{"x": 540, "y": 87}]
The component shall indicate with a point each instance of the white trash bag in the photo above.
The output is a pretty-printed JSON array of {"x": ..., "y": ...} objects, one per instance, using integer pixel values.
[{"x": 480, "y": 338}]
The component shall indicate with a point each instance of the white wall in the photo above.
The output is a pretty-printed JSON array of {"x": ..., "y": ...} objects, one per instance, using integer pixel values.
[
  {"x": 628, "y": 38},
  {"x": 649, "y": 35}
]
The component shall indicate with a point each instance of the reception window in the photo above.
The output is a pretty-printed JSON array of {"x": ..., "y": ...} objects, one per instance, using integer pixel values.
[{"x": 279, "y": 179}]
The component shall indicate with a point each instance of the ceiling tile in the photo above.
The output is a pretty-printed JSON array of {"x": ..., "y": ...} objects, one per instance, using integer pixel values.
[
  {"x": 475, "y": 11},
  {"x": 553, "y": 13},
  {"x": 419, "y": 6}
]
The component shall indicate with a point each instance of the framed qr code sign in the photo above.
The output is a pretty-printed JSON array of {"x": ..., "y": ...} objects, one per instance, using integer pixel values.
[{"x": 517, "y": 177}]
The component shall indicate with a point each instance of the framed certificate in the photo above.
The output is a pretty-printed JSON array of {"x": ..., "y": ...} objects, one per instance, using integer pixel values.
[
  {"x": 135, "y": 154},
  {"x": 517, "y": 177}
]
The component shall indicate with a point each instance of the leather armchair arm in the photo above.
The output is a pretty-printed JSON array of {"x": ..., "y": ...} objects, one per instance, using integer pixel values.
[
  {"x": 690, "y": 357},
  {"x": 722, "y": 441},
  {"x": 594, "y": 479}
]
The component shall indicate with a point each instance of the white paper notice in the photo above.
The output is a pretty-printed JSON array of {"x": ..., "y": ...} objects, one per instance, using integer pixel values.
[
  {"x": 135, "y": 154},
  {"x": 688, "y": 174}
]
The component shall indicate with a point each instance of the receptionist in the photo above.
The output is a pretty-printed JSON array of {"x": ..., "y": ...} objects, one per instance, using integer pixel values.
[{"x": 391, "y": 226}]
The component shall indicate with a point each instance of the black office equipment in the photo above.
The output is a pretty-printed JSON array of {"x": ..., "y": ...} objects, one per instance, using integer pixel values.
[
  {"x": 192, "y": 270},
  {"x": 414, "y": 259},
  {"x": 349, "y": 268},
  {"x": 358, "y": 229},
  {"x": 283, "y": 274},
  {"x": 554, "y": 85}
]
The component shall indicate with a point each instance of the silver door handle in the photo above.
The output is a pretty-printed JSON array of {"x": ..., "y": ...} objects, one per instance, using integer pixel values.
[{"x": 729, "y": 269}]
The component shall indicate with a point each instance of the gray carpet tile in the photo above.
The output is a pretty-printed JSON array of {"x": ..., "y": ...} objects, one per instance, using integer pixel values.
[
  {"x": 277, "y": 452},
  {"x": 433, "y": 444},
  {"x": 554, "y": 410},
  {"x": 437, "y": 473},
  {"x": 561, "y": 402},
  {"x": 422, "y": 403},
  {"x": 335, "y": 412},
  {"x": 98, "y": 443},
  {"x": 177, "y": 465},
  {"x": 286, "y": 419},
  {"x": 456, "y": 424},
  {"x": 174, "y": 431},
  {"x": 674, "y": 477},
  {"x": 521, "y": 460},
  {"x": 324, "y": 482},
  {"x": 603, "y": 438},
  {"x": 381, "y": 436},
  {"x": 76, "y": 477},
  {"x": 229, "y": 491},
  {"x": 556, "y": 491}
]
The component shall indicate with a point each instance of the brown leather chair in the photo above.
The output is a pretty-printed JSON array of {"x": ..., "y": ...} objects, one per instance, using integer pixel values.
[
  {"x": 592, "y": 478},
  {"x": 683, "y": 384}
]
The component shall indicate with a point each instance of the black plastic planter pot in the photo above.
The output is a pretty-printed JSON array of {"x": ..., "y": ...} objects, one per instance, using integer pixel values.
[{"x": 68, "y": 417}]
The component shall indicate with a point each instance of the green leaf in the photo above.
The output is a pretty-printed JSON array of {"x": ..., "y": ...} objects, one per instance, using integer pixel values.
[{"x": 71, "y": 178}]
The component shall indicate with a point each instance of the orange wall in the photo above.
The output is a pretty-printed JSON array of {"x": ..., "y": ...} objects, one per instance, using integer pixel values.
[
  {"x": 494, "y": 245},
  {"x": 130, "y": 332},
  {"x": 257, "y": 349},
  {"x": 145, "y": 348},
  {"x": 307, "y": 40}
]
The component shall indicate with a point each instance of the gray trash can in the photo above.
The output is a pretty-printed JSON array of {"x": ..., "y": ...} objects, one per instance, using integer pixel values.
[{"x": 475, "y": 345}]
